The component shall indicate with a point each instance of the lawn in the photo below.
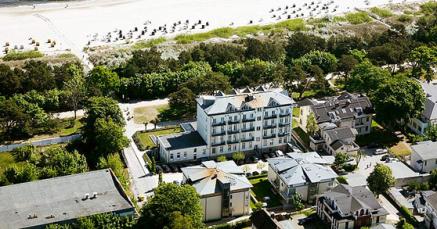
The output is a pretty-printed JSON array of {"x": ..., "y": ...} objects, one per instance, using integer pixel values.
[
  {"x": 143, "y": 140},
  {"x": 146, "y": 114},
  {"x": 262, "y": 188},
  {"x": 303, "y": 135},
  {"x": 379, "y": 136},
  {"x": 66, "y": 127},
  {"x": 402, "y": 149}
]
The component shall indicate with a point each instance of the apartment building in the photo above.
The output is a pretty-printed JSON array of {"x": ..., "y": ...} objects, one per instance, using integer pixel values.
[
  {"x": 222, "y": 186},
  {"x": 246, "y": 120},
  {"x": 346, "y": 207}
]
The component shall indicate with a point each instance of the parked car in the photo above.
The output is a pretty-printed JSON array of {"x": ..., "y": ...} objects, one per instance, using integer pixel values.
[
  {"x": 166, "y": 168},
  {"x": 272, "y": 155},
  {"x": 307, "y": 219},
  {"x": 380, "y": 151},
  {"x": 385, "y": 157}
]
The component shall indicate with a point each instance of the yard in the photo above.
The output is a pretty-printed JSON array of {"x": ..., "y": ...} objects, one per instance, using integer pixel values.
[
  {"x": 66, "y": 127},
  {"x": 378, "y": 136},
  {"x": 143, "y": 140},
  {"x": 262, "y": 188},
  {"x": 147, "y": 114}
]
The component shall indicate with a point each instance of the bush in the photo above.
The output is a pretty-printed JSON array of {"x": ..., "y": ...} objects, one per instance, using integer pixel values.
[
  {"x": 408, "y": 215},
  {"x": 349, "y": 167},
  {"x": 342, "y": 180},
  {"x": 15, "y": 55},
  {"x": 381, "y": 12},
  {"x": 358, "y": 18},
  {"x": 405, "y": 18}
]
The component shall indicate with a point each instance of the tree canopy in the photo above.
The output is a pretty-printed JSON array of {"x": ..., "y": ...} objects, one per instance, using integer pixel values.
[{"x": 381, "y": 179}]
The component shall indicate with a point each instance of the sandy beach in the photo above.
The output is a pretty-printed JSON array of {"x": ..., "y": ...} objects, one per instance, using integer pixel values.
[{"x": 74, "y": 25}]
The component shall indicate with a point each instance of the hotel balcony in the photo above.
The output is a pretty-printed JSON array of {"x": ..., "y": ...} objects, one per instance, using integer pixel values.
[
  {"x": 269, "y": 136},
  {"x": 284, "y": 114},
  {"x": 269, "y": 126},
  {"x": 233, "y": 121},
  {"x": 248, "y": 129},
  {"x": 270, "y": 116},
  {"x": 218, "y": 133},
  {"x": 249, "y": 139},
  {"x": 233, "y": 141},
  {"x": 233, "y": 131},
  {"x": 283, "y": 134},
  {"x": 248, "y": 119},
  {"x": 219, "y": 123},
  {"x": 284, "y": 123},
  {"x": 218, "y": 143}
]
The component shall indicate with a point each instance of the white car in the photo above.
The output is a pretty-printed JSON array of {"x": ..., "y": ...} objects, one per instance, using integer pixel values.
[{"x": 380, "y": 151}]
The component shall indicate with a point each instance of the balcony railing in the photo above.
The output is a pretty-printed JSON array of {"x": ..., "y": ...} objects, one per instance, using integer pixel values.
[
  {"x": 219, "y": 123},
  {"x": 283, "y": 134},
  {"x": 269, "y": 136},
  {"x": 248, "y": 129},
  {"x": 218, "y": 133},
  {"x": 284, "y": 114},
  {"x": 269, "y": 126},
  {"x": 232, "y": 141},
  {"x": 248, "y": 119},
  {"x": 270, "y": 116},
  {"x": 249, "y": 139},
  {"x": 233, "y": 131},
  {"x": 233, "y": 121},
  {"x": 284, "y": 123},
  {"x": 218, "y": 143}
]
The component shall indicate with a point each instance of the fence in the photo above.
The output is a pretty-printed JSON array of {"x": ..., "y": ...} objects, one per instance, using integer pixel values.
[{"x": 43, "y": 142}]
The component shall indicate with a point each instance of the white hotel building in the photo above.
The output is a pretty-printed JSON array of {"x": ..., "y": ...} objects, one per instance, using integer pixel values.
[{"x": 246, "y": 120}]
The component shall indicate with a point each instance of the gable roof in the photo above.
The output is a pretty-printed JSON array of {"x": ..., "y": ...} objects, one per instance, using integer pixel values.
[
  {"x": 426, "y": 149},
  {"x": 430, "y": 89},
  {"x": 299, "y": 168},
  {"x": 59, "y": 199},
  {"x": 344, "y": 106},
  {"x": 351, "y": 199},
  {"x": 341, "y": 133},
  {"x": 208, "y": 177},
  {"x": 258, "y": 99}
]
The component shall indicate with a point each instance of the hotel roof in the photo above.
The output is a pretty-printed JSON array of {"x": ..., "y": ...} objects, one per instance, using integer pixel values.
[{"x": 60, "y": 199}]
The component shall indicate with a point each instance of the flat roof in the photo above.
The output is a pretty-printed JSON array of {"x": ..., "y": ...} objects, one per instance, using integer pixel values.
[
  {"x": 60, "y": 199},
  {"x": 182, "y": 140},
  {"x": 400, "y": 170}
]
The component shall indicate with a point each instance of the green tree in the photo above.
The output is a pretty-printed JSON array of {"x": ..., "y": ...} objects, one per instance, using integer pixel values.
[
  {"x": 346, "y": 64},
  {"x": 170, "y": 198},
  {"x": 75, "y": 89},
  {"x": 208, "y": 84},
  {"x": 264, "y": 50},
  {"x": 101, "y": 81},
  {"x": 366, "y": 78},
  {"x": 311, "y": 126},
  {"x": 296, "y": 202},
  {"x": 20, "y": 174},
  {"x": 403, "y": 95},
  {"x": 221, "y": 158},
  {"x": 433, "y": 178},
  {"x": 153, "y": 165},
  {"x": 300, "y": 44},
  {"x": 424, "y": 59},
  {"x": 179, "y": 221},
  {"x": 10, "y": 81},
  {"x": 113, "y": 161},
  {"x": 109, "y": 137},
  {"x": 431, "y": 132},
  {"x": 340, "y": 159},
  {"x": 381, "y": 179},
  {"x": 238, "y": 156},
  {"x": 183, "y": 101},
  {"x": 60, "y": 162}
]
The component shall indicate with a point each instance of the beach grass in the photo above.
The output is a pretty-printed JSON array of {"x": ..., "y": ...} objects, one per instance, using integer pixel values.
[
  {"x": 149, "y": 43},
  {"x": 358, "y": 18},
  {"x": 383, "y": 13},
  {"x": 226, "y": 32},
  {"x": 17, "y": 55}
]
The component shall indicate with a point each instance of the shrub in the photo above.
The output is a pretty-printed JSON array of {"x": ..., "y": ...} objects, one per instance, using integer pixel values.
[
  {"x": 149, "y": 43},
  {"x": 405, "y": 18},
  {"x": 342, "y": 180},
  {"x": 16, "y": 55},
  {"x": 381, "y": 12},
  {"x": 408, "y": 215},
  {"x": 358, "y": 18}
]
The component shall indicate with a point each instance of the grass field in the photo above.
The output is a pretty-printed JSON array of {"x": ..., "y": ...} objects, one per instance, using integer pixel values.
[
  {"x": 144, "y": 137},
  {"x": 146, "y": 114},
  {"x": 262, "y": 188},
  {"x": 66, "y": 127}
]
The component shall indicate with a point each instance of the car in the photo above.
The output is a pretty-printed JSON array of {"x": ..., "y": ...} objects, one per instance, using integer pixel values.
[
  {"x": 380, "y": 151},
  {"x": 385, "y": 157},
  {"x": 307, "y": 219},
  {"x": 272, "y": 155},
  {"x": 166, "y": 168}
]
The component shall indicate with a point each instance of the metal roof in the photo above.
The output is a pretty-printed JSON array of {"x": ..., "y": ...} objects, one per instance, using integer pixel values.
[
  {"x": 60, "y": 199},
  {"x": 182, "y": 140},
  {"x": 426, "y": 149}
]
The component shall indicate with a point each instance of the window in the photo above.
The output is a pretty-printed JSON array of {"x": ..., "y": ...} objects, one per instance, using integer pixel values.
[
  {"x": 213, "y": 150},
  {"x": 235, "y": 147},
  {"x": 171, "y": 156},
  {"x": 258, "y": 128},
  {"x": 194, "y": 156},
  {"x": 258, "y": 118},
  {"x": 367, "y": 128},
  {"x": 243, "y": 146},
  {"x": 257, "y": 139},
  {"x": 221, "y": 149},
  {"x": 229, "y": 148},
  {"x": 195, "y": 150},
  {"x": 204, "y": 151},
  {"x": 266, "y": 113},
  {"x": 250, "y": 144},
  {"x": 178, "y": 155},
  {"x": 185, "y": 154}
]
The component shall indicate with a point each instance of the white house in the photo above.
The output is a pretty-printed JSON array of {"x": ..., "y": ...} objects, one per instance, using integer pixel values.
[
  {"x": 346, "y": 207},
  {"x": 302, "y": 173},
  {"x": 429, "y": 114},
  {"x": 246, "y": 120},
  {"x": 222, "y": 186},
  {"x": 424, "y": 156}
]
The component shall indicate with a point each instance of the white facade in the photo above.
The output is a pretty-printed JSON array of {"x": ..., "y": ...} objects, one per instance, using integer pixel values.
[{"x": 424, "y": 156}]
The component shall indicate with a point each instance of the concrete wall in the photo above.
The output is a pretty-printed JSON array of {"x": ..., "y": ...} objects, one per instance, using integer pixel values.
[
  {"x": 303, "y": 191},
  {"x": 303, "y": 117},
  {"x": 44, "y": 142},
  {"x": 212, "y": 207},
  {"x": 240, "y": 203}
]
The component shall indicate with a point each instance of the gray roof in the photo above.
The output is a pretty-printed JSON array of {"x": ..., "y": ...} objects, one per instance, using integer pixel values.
[
  {"x": 350, "y": 199},
  {"x": 300, "y": 169},
  {"x": 345, "y": 106},
  {"x": 209, "y": 177},
  {"x": 182, "y": 140},
  {"x": 383, "y": 226},
  {"x": 400, "y": 170},
  {"x": 432, "y": 200},
  {"x": 430, "y": 90},
  {"x": 246, "y": 99},
  {"x": 341, "y": 133},
  {"x": 426, "y": 150},
  {"x": 312, "y": 157},
  {"x": 59, "y": 199}
]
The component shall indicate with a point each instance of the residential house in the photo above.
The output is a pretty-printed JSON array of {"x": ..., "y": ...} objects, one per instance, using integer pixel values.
[
  {"x": 424, "y": 156},
  {"x": 338, "y": 140},
  {"x": 431, "y": 211},
  {"x": 246, "y": 120},
  {"x": 429, "y": 114},
  {"x": 346, "y": 207},
  {"x": 307, "y": 174},
  {"x": 222, "y": 186},
  {"x": 63, "y": 199}
]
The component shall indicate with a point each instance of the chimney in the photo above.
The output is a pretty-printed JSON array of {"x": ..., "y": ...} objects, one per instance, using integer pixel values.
[{"x": 86, "y": 196}]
